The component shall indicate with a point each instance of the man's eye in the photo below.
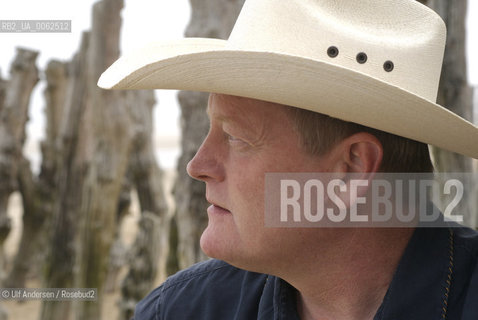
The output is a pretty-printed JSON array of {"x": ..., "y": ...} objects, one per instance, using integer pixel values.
[{"x": 234, "y": 140}]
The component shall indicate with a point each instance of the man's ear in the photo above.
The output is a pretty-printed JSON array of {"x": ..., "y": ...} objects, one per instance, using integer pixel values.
[
  {"x": 362, "y": 153},
  {"x": 358, "y": 158}
]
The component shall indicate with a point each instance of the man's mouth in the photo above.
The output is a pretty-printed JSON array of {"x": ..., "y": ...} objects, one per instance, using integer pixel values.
[{"x": 217, "y": 209}]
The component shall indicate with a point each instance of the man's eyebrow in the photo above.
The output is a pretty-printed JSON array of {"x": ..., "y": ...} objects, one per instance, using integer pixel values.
[{"x": 220, "y": 117}]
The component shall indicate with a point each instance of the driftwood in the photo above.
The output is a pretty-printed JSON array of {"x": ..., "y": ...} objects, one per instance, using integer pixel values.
[
  {"x": 106, "y": 135},
  {"x": 38, "y": 194},
  {"x": 62, "y": 252},
  {"x": 455, "y": 94},
  {"x": 143, "y": 264},
  {"x": 146, "y": 177},
  {"x": 98, "y": 135},
  {"x": 14, "y": 102},
  {"x": 5, "y": 224},
  {"x": 73, "y": 208}
]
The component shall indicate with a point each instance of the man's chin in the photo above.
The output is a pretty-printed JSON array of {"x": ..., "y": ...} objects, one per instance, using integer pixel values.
[
  {"x": 213, "y": 245},
  {"x": 221, "y": 245},
  {"x": 230, "y": 251}
]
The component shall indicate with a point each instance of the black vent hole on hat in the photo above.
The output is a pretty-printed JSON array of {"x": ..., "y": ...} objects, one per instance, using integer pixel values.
[
  {"x": 332, "y": 51},
  {"x": 388, "y": 66},
  {"x": 362, "y": 57}
]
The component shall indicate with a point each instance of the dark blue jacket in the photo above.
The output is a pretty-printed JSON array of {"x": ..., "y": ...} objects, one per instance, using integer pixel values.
[{"x": 437, "y": 278}]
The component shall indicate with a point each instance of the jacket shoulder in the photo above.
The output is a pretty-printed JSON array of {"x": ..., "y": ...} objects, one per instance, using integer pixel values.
[
  {"x": 467, "y": 239},
  {"x": 207, "y": 290}
]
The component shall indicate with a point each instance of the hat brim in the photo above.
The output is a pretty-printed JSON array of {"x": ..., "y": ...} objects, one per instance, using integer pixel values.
[{"x": 210, "y": 65}]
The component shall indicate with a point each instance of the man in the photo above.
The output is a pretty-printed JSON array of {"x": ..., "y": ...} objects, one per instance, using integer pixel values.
[{"x": 314, "y": 86}]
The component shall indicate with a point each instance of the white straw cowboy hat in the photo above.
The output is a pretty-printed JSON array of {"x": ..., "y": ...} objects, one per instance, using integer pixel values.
[{"x": 373, "y": 62}]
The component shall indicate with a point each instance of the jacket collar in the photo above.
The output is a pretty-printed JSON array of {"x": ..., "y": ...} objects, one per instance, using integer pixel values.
[
  {"x": 417, "y": 290},
  {"x": 419, "y": 287}
]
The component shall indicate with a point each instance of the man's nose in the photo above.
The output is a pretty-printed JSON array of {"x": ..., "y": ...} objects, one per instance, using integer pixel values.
[{"x": 206, "y": 165}]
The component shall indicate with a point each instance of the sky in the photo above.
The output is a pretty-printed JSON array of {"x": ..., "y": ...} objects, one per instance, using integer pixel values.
[{"x": 143, "y": 21}]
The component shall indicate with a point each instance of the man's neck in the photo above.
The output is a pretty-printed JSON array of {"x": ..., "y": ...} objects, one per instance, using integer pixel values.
[{"x": 349, "y": 282}]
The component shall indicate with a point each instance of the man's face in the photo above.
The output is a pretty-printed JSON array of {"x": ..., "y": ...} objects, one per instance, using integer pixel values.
[{"x": 246, "y": 139}]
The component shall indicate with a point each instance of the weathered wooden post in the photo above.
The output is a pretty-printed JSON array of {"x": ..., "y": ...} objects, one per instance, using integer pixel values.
[
  {"x": 14, "y": 102},
  {"x": 455, "y": 93},
  {"x": 38, "y": 194}
]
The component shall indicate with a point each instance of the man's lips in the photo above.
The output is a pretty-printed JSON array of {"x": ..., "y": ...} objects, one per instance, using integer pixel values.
[{"x": 215, "y": 209}]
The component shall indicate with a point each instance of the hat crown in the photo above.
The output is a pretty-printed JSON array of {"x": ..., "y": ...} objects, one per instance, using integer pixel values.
[{"x": 405, "y": 32}]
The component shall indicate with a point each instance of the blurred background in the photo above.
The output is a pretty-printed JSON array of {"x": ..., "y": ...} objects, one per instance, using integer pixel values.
[
  {"x": 143, "y": 21},
  {"x": 93, "y": 188}
]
